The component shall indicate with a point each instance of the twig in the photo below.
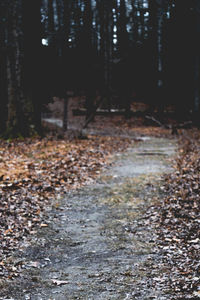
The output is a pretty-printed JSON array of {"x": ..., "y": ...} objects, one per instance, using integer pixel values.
[
  {"x": 172, "y": 127},
  {"x": 157, "y": 122}
]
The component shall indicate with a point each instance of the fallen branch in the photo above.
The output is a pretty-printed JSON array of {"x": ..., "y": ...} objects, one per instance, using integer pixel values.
[
  {"x": 157, "y": 122},
  {"x": 174, "y": 128}
]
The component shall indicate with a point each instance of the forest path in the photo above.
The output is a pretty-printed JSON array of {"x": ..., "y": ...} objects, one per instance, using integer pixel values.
[{"x": 97, "y": 244}]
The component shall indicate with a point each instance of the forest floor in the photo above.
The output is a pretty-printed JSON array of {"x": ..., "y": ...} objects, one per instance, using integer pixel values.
[
  {"x": 111, "y": 216},
  {"x": 97, "y": 243}
]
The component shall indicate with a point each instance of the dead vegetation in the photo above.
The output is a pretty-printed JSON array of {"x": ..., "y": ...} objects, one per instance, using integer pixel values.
[
  {"x": 33, "y": 172},
  {"x": 177, "y": 223}
]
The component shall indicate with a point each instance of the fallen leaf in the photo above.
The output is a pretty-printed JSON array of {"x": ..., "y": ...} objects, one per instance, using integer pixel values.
[
  {"x": 59, "y": 282},
  {"x": 43, "y": 225}
]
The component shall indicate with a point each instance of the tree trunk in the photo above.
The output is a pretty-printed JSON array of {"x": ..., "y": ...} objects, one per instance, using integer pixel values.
[
  {"x": 157, "y": 9},
  {"x": 17, "y": 121},
  {"x": 65, "y": 114},
  {"x": 51, "y": 24},
  {"x": 123, "y": 41},
  {"x": 196, "y": 84},
  {"x": 32, "y": 82},
  {"x": 196, "y": 114},
  {"x": 3, "y": 79},
  {"x": 66, "y": 23}
]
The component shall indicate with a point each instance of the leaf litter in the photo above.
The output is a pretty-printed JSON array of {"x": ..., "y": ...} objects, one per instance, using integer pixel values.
[
  {"x": 32, "y": 174},
  {"x": 177, "y": 223}
]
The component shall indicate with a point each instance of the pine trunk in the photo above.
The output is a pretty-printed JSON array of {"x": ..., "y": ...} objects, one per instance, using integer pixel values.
[
  {"x": 17, "y": 124},
  {"x": 32, "y": 82},
  {"x": 3, "y": 77}
]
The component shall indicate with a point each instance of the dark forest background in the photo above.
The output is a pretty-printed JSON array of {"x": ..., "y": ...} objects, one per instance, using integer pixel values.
[{"x": 147, "y": 50}]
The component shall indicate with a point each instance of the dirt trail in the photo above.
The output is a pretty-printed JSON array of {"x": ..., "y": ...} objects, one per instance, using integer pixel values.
[{"x": 96, "y": 245}]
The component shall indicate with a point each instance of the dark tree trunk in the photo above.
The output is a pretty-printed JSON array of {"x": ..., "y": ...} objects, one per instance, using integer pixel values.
[
  {"x": 3, "y": 77},
  {"x": 123, "y": 40},
  {"x": 65, "y": 113},
  {"x": 32, "y": 82},
  {"x": 17, "y": 121},
  {"x": 51, "y": 24},
  {"x": 134, "y": 21},
  {"x": 59, "y": 9},
  {"x": 196, "y": 109},
  {"x": 87, "y": 48},
  {"x": 153, "y": 49},
  {"x": 156, "y": 10},
  {"x": 66, "y": 22},
  {"x": 78, "y": 19},
  {"x": 106, "y": 46},
  {"x": 123, "y": 45}
]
